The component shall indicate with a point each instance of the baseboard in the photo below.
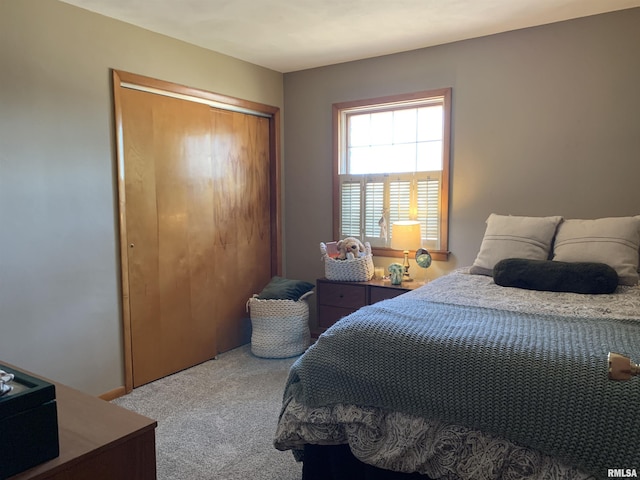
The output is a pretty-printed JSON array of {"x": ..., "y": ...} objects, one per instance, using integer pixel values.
[{"x": 113, "y": 394}]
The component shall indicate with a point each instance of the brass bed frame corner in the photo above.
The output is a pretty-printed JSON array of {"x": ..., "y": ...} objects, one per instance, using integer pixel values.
[{"x": 621, "y": 367}]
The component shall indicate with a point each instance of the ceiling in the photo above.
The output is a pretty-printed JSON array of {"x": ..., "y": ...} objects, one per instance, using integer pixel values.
[{"x": 290, "y": 35}]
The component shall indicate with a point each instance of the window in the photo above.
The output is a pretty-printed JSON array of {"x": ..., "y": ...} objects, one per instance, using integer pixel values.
[{"x": 392, "y": 163}]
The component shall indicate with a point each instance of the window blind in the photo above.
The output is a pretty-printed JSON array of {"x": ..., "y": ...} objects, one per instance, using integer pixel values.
[
  {"x": 350, "y": 201},
  {"x": 374, "y": 208},
  {"x": 367, "y": 199}
]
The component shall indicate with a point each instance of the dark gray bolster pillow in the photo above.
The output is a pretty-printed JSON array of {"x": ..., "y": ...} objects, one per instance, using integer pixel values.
[{"x": 576, "y": 277}]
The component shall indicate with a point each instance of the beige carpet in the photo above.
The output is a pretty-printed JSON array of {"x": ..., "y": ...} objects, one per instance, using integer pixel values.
[{"x": 217, "y": 420}]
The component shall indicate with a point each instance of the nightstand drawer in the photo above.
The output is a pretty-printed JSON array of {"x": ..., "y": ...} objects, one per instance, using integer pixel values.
[
  {"x": 335, "y": 299},
  {"x": 328, "y": 315},
  {"x": 341, "y": 295},
  {"x": 382, "y": 293}
]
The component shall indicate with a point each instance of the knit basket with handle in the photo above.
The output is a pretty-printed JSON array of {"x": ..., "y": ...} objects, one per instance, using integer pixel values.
[
  {"x": 280, "y": 328},
  {"x": 355, "y": 270}
]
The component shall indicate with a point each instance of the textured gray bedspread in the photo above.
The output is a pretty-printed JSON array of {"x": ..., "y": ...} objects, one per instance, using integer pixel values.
[{"x": 538, "y": 380}]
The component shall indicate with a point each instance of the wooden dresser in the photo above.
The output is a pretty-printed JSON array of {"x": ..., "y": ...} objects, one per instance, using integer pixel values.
[
  {"x": 338, "y": 299},
  {"x": 98, "y": 441}
]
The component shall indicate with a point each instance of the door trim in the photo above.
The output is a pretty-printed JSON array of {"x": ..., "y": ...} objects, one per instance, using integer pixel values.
[{"x": 122, "y": 79}]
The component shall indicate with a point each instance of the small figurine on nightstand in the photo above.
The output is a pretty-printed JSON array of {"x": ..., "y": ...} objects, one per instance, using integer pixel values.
[{"x": 395, "y": 272}]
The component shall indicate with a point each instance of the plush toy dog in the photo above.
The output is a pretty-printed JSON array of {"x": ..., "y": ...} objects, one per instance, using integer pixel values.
[{"x": 349, "y": 248}]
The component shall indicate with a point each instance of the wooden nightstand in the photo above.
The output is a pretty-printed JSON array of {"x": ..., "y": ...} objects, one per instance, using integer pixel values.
[{"x": 338, "y": 299}]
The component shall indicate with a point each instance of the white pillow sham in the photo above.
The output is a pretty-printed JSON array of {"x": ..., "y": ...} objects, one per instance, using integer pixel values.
[
  {"x": 510, "y": 236},
  {"x": 614, "y": 241}
]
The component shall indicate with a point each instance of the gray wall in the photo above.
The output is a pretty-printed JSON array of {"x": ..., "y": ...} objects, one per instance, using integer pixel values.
[
  {"x": 60, "y": 312},
  {"x": 546, "y": 121}
]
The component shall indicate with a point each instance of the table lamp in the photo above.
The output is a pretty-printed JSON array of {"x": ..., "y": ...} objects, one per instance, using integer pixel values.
[{"x": 405, "y": 235}]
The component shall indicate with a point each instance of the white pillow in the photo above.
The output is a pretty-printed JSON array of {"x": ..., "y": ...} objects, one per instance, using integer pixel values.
[
  {"x": 509, "y": 236},
  {"x": 614, "y": 241}
]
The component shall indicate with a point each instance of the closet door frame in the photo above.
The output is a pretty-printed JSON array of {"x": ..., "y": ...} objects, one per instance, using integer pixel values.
[{"x": 121, "y": 80}]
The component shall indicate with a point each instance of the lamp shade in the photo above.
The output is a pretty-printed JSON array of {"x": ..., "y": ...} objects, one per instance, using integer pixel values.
[{"x": 405, "y": 235}]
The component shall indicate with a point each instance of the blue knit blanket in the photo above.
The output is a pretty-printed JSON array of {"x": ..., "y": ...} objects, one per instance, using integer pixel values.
[{"x": 537, "y": 380}]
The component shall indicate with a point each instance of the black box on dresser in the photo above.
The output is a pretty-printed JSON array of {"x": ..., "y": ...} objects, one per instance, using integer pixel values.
[{"x": 28, "y": 423}]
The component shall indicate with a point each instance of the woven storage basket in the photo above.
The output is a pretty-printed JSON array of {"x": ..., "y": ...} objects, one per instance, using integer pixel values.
[
  {"x": 355, "y": 270},
  {"x": 280, "y": 328}
]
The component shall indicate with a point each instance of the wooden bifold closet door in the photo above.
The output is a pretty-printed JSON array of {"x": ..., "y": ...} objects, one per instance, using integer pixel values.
[{"x": 198, "y": 220}]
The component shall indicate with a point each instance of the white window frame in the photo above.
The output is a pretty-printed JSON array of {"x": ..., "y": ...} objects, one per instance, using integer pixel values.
[{"x": 375, "y": 190}]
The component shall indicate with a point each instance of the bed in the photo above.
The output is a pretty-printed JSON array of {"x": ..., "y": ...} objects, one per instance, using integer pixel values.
[{"x": 467, "y": 379}]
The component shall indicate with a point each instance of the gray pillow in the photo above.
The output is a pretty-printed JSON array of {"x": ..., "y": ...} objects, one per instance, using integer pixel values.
[
  {"x": 284, "y": 289},
  {"x": 614, "y": 241},
  {"x": 510, "y": 236}
]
